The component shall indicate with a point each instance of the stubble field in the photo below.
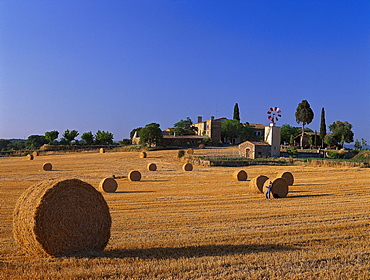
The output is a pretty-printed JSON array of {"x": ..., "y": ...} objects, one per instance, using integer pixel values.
[{"x": 201, "y": 224}]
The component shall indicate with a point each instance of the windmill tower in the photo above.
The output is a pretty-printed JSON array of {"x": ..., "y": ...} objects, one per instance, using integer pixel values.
[{"x": 272, "y": 132}]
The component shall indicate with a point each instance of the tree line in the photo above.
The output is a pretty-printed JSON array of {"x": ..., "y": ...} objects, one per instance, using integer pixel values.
[{"x": 50, "y": 137}]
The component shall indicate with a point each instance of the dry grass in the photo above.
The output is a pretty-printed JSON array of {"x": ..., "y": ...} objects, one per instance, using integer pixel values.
[{"x": 202, "y": 225}]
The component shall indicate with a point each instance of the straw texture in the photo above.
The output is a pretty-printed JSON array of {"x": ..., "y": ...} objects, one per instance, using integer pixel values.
[
  {"x": 288, "y": 177},
  {"x": 47, "y": 166},
  {"x": 279, "y": 188},
  {"x": 152, "y": 167},
  {"x": 256, "y": 184},
  {"x": 61, "y": 217},
  {"x": 240, "y": 175},
  {"x": 108, "y": 185},
  {"x": 134, "y": 175}
]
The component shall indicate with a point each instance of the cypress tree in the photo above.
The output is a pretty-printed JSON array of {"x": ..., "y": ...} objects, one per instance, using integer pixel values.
[
  {"x": 236, "y": 112},
  {"x": 322, "y": 127}
]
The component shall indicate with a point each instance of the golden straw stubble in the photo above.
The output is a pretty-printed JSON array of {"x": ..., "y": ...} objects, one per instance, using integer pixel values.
[
  {"x": 108, "y": 185},
  {"x": 240, "y": 175},
  {"x": 61, "y": 217}
]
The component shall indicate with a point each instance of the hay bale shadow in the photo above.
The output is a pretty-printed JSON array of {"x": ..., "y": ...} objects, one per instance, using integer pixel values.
[{"x": 195, "y": 251}]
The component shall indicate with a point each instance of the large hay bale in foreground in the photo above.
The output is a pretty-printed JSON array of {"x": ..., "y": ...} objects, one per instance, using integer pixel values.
[
  {"x": 47, "y": 166},
  {"x": 187, "y": 167},
  {"x": 143, "y": 155},
  {"x": 134, "y": 175},
  {"x": 279, "y": 188},
  {"x": 240, "y": 175},
  {"x": 152, "y": 167},
  {"x": 108, "y": 185},
  {"x": 29, "y": 157},
  {"x": 61, "y": 217},
  {"x": 257, "y": 183},
  {"x": 289, "y": 178}
]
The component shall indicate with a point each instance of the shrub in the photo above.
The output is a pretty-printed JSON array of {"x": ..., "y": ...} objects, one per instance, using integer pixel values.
[{"x": 181, "y": 154}]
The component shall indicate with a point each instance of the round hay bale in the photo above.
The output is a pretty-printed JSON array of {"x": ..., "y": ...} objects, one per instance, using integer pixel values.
[
  {"x": 60, "y": 218},
  {"x": 190, "y": 151},
  {"x": 256, "y": 184},
  {"x": 29, "y": 157},
  {"x": 47, "y": 166},
  {"x": 279, "y": 188},
  {"x": 152, "y": 167},
  {"x": 201, "y": 146},
  {"x": 143, "y": 155},
  {"x": 102, "y": 150},
  {"x": 134, "y": 175},
  {"x": 240, "y": 175},
  {"x": 35, "y": 153},
  {"x": 289, "y": 178},
  {"x": 108, "y": 185},
  {"x": 187, "y": 167}
]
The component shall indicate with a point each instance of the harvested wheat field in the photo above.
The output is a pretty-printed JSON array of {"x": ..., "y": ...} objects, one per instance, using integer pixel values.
[{"x": 201, "y": 224}]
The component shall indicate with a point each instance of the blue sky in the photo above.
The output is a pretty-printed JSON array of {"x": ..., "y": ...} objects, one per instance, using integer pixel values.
[{"x": 116, "y": 65}]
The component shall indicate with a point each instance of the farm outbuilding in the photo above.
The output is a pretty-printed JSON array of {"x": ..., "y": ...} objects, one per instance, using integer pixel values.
[{"x": 254, "y": 150}]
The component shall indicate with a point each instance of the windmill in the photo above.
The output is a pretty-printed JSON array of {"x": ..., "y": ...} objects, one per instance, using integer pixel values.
[{"x": 273, "y": 115}]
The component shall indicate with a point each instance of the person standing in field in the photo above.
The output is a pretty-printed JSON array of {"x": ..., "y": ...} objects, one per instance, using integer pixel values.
[{"x": 268, "y": 190}]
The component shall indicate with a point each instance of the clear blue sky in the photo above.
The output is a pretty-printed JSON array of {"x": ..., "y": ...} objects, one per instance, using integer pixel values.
[{"x": 116, "y": 65}]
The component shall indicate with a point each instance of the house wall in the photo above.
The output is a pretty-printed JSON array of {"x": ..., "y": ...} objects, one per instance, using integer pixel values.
[{"x": 254, "y": 150}]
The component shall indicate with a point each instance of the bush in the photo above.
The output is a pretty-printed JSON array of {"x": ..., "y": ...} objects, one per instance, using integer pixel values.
[
  {"x": 292, "y": 152},
  {"x": 181, "y": 154}
]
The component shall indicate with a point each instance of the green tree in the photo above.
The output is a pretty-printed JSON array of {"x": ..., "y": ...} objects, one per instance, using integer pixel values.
[
  {"x": 330, "y": 141},
  {"x": 88, "y": 137},
  {"x": 4, "y": 144},
  {"x": 51, "y": 136},
  {"x": 151, "y": 135},
  {"x": 304, "y": 115},
  {"x": 288, "y": 132},
  {"x": 231, "y": 129},
  {"x": 35, "y": 141},
  {"x": 132, "y": 133},
  {"x": 236, "y": 112},
  {"x": 70, "y": 135},
  {"x": 322, "y": 126},
  {"x": 183, "y": 127},
  {"x": 358, "y": 144},
  {"x": 363, "y": 142},
  {"x": 342, "y": 132},
  {"x": 103, "y": 137}
]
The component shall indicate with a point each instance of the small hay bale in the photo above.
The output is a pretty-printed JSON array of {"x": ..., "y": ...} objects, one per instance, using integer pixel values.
[
  {"x": 289, "y": 178},
  {"x": 279, "y": 188},
  {"x": 29, "y": 157},
  {"x": 134, "y": 175},
  {"x": 47, "y": 166},
  {"x": 102, "y": 150},
  {"x": 187, "y": 167},
  {"x": 152, "y": 167},
  {"x": 256, "y": 184},
  {"x": 108, "y": 185},
  {"x": 61, "y": 218},
  {"x": 143, "y": 155},
  {"x": 190, "y": 151},
  {"x": 240, "y": 175},
  {"x": 201, "y": 146},
  {"x": 35, "y": 153}
]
